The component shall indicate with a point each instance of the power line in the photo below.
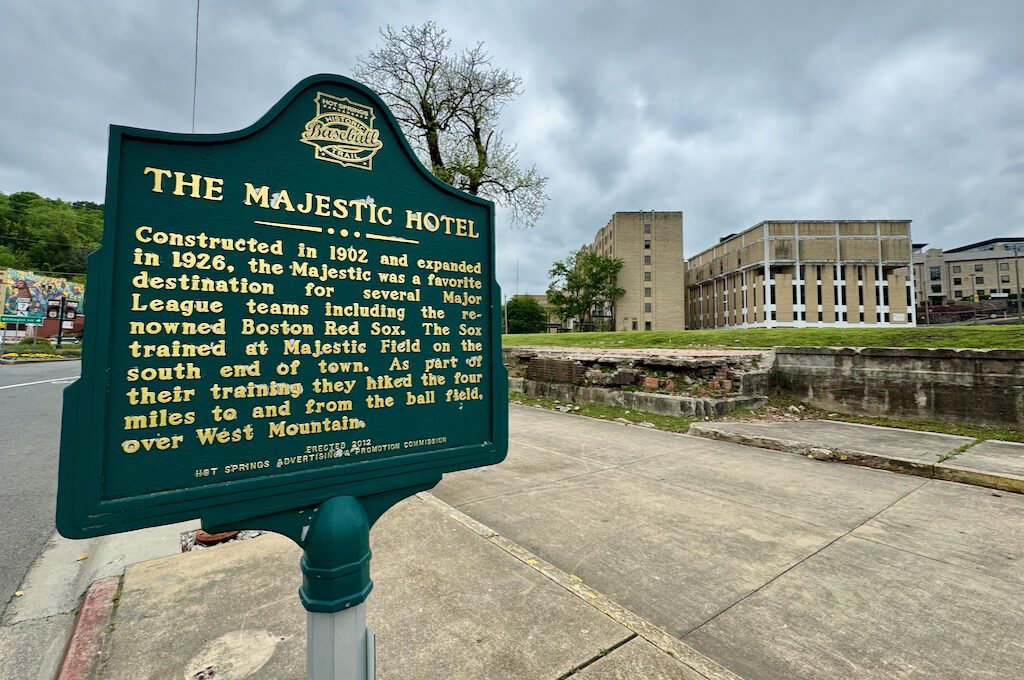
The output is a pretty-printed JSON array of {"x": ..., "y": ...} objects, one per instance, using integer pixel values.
[
  {"x": 52, "y": 243},
  {"x": 195, "y": 72}
]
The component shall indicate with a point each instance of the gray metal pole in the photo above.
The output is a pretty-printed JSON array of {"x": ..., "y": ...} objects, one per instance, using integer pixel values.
[
  {"x": 339, "y": 646},
  {"x": 60, "y": 322},
  {"x": 1016, "y": 271}
]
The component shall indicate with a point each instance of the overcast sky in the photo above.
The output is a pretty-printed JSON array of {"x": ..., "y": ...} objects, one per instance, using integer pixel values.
[{"x": 731, "y": 111}]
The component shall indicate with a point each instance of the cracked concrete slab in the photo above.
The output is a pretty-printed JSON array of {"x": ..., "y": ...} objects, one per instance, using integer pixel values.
[
  {"x": 828, "y": 434},
  {"x": 823, "y": 494},
  {"x": 671, "y": 555},
  {"x": 599, "y": 441},
  {"x": 446, "y": 604},
  {"x": 863, "y": 610},
  {"x": 525, "y": 466},
  {"x": 941, "y": 520}
]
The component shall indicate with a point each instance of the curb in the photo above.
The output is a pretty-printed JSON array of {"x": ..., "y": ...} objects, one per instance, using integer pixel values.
[
  {"x": 939, "y": 470},
  {"x": 955, "y": 473},
  {"x": 82, "y": 657}
]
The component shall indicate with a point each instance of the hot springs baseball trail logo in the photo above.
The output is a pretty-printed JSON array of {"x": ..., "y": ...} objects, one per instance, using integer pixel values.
[{"x": 342, "y": 132}]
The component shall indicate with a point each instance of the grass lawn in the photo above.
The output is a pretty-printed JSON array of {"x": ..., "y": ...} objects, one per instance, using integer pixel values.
[{"x": 956, "y": 337}]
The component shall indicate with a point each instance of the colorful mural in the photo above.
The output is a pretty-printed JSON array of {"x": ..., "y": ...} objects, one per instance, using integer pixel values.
[{"x": 27, "y": 293}]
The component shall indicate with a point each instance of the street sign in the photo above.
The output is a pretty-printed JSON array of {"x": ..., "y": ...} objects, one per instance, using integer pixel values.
[
  {"x": 29, "y": 319},
  {"x": 280, "y": 316}
]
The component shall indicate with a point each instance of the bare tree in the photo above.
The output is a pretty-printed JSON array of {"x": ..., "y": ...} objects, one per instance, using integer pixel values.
[{"x": 449, "y": 105}]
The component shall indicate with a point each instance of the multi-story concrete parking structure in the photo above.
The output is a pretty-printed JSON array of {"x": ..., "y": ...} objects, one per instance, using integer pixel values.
[
  {"x": 987, "y": 269},
  {"x": 654, "y": 272},
  {"x": 806, "y": 273}
]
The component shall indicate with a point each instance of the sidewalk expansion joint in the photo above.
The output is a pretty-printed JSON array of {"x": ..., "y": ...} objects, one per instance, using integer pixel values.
[
  {"x": 948, "y": 455},
  {"x": 597, "y": 657},
  {"x": 796, "y": 564},
  {"x": 640, "y": 626}
]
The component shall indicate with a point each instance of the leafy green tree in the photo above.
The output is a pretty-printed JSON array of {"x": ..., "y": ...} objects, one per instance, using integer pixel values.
[
  {"x": 48, "y": 235},
  {"x": 449, "y": 104},
  {"x": 583, "y": 288},
  {"x": 525, "y": 315}
]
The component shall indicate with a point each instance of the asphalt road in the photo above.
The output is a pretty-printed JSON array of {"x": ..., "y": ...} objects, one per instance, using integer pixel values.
[{"x": 30, "y": 404}]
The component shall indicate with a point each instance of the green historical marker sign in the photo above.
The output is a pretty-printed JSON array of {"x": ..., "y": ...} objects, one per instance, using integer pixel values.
[{"x": 281, "y": 316}]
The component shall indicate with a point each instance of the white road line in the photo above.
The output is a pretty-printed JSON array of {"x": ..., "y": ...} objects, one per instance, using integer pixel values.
[{"x": 40, "y": 382}]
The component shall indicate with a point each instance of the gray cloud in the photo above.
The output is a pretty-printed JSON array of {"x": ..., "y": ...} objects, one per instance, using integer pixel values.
[{"x": 733, "y": 111}]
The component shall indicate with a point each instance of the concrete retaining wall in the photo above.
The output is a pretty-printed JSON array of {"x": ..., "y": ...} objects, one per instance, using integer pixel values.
[
  {"x": 647, "y": 402},
  {"x": 967, "y": 386}
]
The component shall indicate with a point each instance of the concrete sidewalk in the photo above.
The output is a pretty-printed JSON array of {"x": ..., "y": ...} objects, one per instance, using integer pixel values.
[
  {"x": 992, "y": 464},
  {"x": 451, "y": 600},
  {"x": 775, "y": 566},
  {"x": 600, "y": 550}
]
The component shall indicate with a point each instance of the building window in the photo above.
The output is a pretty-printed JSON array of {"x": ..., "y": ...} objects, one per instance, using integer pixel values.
[
  {"x": 979, "y": 267},
  {"x": 1004, "y": 266},
  {"x": 647, "y": 259},
  {"x": 934, "y": 273},
  {"x": 634, "y": 324},
  {"x": 936, "y": 288},
  {"x": 647, "y": 325},
  {"x": 958, "y": 293},
  {"x": 647, "y": 229},
  {"x": 956, "y": 269},
  {"x": 1004, "y": 278},
  {"x": 1006, "y": 290},
  {"x": 647, "y": 292},
  {"x": 647, "y": 244},
  {"x": 957, "y": 282},
  {"x": 647, "y": 276},
  {"x": 979, "y": 279},
  {"x": 647, "y": 307}
]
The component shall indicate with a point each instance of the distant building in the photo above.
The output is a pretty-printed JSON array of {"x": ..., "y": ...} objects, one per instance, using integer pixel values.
[
  {"x": 992, "y": 268},
  {"x": 650, "y": 243},
  {"x": 806, "y": 273}
]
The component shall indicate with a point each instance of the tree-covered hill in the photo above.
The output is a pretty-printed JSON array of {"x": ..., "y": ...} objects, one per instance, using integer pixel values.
[{"x": 48, "y": 235}]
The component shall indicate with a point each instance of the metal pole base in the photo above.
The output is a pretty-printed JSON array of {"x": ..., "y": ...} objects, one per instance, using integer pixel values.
[{"x": 339, "y": 646}]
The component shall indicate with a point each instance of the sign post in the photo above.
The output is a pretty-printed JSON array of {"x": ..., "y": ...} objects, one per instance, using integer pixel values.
[{"x": 292, "y": 328}]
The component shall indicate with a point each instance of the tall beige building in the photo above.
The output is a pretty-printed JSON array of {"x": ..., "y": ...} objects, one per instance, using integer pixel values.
[
  {"x": 987, "y": 269},
  {"x": 807, "y": 273},
  {"x": 650, "y": 244}
]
